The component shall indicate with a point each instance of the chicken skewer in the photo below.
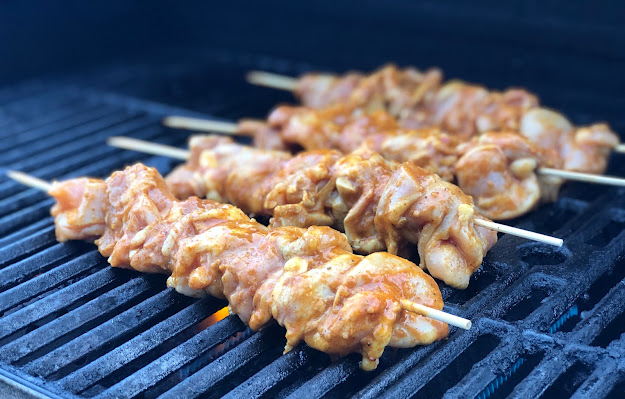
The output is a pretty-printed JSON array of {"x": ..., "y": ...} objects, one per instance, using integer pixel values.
[
  {"x": 308, "y": 280},
  {"x": 379, "y": 204},
  {"x": 420, "y": 99},
  {"x": 178, "y": 153},
  {"x": 525, "y": 173}
]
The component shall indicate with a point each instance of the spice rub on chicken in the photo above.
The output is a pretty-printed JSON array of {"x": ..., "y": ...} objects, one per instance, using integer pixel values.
[
  {"x": 463, "y": 110},
  {"x": 307, "y": 279},
  {"x": 380, "y": 205},
  {"x": 500, "y": 187}
]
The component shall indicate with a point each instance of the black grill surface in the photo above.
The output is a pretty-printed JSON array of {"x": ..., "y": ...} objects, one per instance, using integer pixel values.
[{"x": 548, "y": 322}]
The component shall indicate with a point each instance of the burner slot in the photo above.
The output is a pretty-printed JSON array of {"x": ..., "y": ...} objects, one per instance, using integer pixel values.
[
  {"x": 568, "y": 382},
  {"x": 460, "y": 366}
]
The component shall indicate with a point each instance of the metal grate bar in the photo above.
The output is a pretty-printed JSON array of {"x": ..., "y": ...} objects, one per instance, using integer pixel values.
[
  {"x": 87, "y": 143},
  {"x": 596, "y": 320},
  {"x": 95, "y": 166},
  {"x": 93, "y": 163},
  {"x": 105, "y": 365},
  {"x": 88, "y": 313},
  {"x": 21, "y": 90},
  {"x": 49, "y": 280},
  {"x": 38, "y": 263},
  {"x": 25, "y": 108},
  {"x": 19, "y": 201},
  {"x": 217, "y": 371},
  {"x": 27, "y": 246},
  {"x": 176, "y": 358},
  {"x": 270, "y": 376},
  {"x": 100, "y": 119},
  {"x": 459, "y": 341},
  {"x": 25, "y": 232},
  {"x": 20, "y": 121},
  {"x": 12, "y": 222},
  {"x": 603, "y": 380},
  {"x": 53, "y": 169},
  {"x": 56, "y": 301},
  {"x": 23, "y": 135},
  {"x": 118, "y": 328},
  {"x": 328, "y": 379}
]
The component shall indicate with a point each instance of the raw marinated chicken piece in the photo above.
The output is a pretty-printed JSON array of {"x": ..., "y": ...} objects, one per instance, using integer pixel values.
[
  {"x": 429, "y": 148},
  {"x": 499, "y": 171},
  {"x": 338, "y": 127},
  {"x": 582, "y": 149}
]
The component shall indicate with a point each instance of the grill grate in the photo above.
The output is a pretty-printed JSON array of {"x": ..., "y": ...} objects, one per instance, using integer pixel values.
[{"x": 73, "y": 327}]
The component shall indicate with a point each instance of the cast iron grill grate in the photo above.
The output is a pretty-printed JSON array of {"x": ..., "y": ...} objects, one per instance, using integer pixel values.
[{"x": 547, "y": 321}]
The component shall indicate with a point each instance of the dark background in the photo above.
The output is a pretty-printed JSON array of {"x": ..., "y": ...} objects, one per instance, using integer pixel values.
[{"x": 571, "y": 53}]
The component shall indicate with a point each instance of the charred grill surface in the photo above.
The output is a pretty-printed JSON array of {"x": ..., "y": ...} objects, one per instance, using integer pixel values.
[{"x": 547, "y": 320}]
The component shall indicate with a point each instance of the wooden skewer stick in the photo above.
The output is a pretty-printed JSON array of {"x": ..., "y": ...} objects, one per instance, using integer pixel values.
[
  {"x": 202, "y": 125},
  {"x": 30, "y": 181},
  {"x": 159, "y": 149},
  {"x": 435, "y": 314},
  {"x": 273, "y": 80},
  {"x": 583, "y": 177},
  {"x": 620, "y": 148},
  {"x": 530, "y": 235},
  {"x": 453, "y": 320},
  {"x": 148, "y": 147},
  {"x": 206, "y": 125}
]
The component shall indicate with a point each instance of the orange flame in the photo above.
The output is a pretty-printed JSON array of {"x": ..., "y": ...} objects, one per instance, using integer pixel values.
[{"x": 214, "y": 318}]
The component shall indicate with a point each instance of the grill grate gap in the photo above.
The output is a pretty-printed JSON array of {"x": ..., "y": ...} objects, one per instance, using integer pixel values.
[
  {"x": 76, "y": 126},
  {"x": 182, "y": 355},
  {"x": 597, "y": 291},
  {"x": 56, "y": 113},
  {"x": 611, "y": 332},
  {"x": 254, "y": 365},
  {"x": 607, "y": 233},
  {"x": 541, "y": 254},
  {"x": 550, "y": 218},
  {"x": 459, "y": 367},
  {"x": 503, "y": 385},
  {"x": 568, "y": 382},
  {"x": 618, "y": 391},
  {"x": 525, "y": 307},
  {"x": 141, "y": 344},
  {"x": 483, "y": 278},
  {"x": 25, "y": 217}
]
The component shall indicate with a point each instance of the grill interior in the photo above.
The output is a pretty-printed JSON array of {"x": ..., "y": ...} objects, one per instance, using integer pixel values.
[{"x": 547, "y": 321}]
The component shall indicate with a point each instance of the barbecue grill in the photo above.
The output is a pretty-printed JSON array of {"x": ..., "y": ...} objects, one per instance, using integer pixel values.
[{"x": 547, "y": 321}]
